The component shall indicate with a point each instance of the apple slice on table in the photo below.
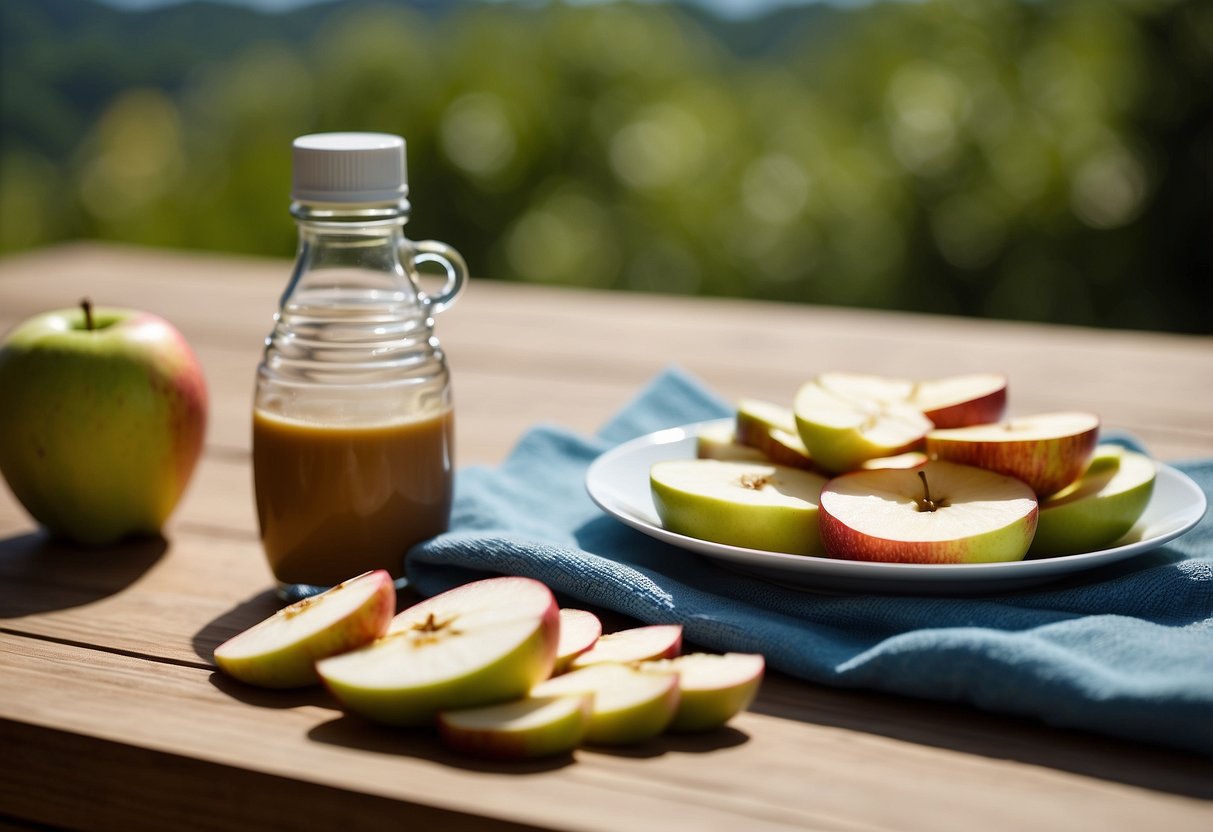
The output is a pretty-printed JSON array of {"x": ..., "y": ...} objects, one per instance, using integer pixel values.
[
  {"x": 1048, "y": 451},
  {"x": 540, "y": 726},
  {"x": 720, "y": 442},
  {"x": 282, "y": 650},
  {"x": 712, "y": 688},
  {"x": 638, "y": 644},
  {"x": 1100, "y": 507},
  {"x": 758, "y": 506},
  {"x": 579, "y": 631},
  {"x": 951, "y": 402},
  {"x": 102, "y": 420},
  {"x": 772, "y": 430},
  {"x": 842, "y": 431},
  {"x": 940, "y": 512},
  {"x": 483, "y": 643},
  {"x": 630, "y": 705}
]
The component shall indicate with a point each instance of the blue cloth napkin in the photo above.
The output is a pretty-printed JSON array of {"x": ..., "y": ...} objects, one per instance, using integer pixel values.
[{"x": 1126, "y": 650}]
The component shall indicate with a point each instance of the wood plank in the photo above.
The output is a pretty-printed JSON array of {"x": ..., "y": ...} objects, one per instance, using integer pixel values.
[
  {"x": 735, "y": 779},
  {"x": 511, "y": 346}
]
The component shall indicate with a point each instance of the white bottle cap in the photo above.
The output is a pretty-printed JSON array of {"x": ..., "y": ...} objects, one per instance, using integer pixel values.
[{"x": 346, "y": 168}]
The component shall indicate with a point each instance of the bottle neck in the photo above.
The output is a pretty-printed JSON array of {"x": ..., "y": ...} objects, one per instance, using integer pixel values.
[{"x": 325, "y": 214}]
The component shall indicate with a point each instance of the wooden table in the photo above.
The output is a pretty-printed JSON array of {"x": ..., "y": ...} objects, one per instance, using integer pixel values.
[{"x": 111, "y": 716}]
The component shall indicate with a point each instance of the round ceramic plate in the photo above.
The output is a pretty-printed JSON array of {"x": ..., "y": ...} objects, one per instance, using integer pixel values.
[{"x": 618, "y": 481}]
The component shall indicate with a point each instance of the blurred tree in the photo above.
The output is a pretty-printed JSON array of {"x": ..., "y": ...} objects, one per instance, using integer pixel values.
[{"x": 1010, "y": 158}]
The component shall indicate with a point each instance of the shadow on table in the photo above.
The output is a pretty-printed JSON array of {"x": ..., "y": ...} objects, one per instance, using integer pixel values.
[
  {"x": 961, "y": 728},
  {"x": 41, "y": 574},
  {"x": 354, "y": 732},
  {"x": 237, "y": 619}
]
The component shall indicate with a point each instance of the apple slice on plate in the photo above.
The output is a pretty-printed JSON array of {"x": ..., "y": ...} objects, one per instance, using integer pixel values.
[
  {"x": 483, "y": 643},
  {"x": 758, "y": 506},
  {"x": 718, "y": 441},
  {"x": 540, "y": 726},
  {"x": 282, "y": 650},
  {"x": 772, "y": 430},
  {"x": 1100, "y": 507},
  {"x": 910, "y": 459},
  {"x": 1047, "y": 451},
  {"x": 938, "y": 513},
  {"x": 630, "y": 705},
  {"x": 638, "y": 644},
  {"x": 951, "y": 402},
  {"x": 842, "y": 431},
  {"x": 712, "y": 688},
  {"x": 579, "y": 630}
]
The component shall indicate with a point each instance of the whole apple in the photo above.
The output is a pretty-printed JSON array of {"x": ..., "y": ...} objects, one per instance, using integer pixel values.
[{"x": 101, "y": 422}]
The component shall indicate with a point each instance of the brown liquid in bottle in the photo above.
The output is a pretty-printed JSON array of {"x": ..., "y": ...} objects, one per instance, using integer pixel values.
[{"x": 336, "y": 501}]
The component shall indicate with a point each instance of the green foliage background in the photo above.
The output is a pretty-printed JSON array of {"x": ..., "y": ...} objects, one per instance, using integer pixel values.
[{"x": 1006, "y": 158}]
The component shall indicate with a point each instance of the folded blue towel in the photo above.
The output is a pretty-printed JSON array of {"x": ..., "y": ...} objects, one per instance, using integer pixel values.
[{"x": 1126, "y": 650}]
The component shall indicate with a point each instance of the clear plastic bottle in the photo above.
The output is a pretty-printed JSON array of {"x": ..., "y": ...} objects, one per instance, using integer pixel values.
[{"x": 353, "y": 420}]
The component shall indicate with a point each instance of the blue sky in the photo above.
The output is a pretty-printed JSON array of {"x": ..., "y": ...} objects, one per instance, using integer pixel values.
[{"x": 725, "y": 8}]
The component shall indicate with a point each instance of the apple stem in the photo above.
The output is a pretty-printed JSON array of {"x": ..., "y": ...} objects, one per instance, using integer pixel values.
[
  {"x": 926, "y": 503},
  {"x": 87, "y": 306}
]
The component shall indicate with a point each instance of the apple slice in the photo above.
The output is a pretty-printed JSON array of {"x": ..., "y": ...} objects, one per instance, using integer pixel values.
[
  {"x": 1100, "y": 507},
  {"x": 910, "y": 459},
  {"x": 579, "y": 630},
  {"x": 479, "y": 644},
  {"x": 541, "y": 726},
  {"x": 630, "y": 705},
  {"x": 842, "y": 431},
  {"x": 952, "y": 402},
  {"x": 772, "y": 430},
  {"x": 282, "y": 650},
  {"x": 718, "y": 441},
  {"x": 712, "y": 688},
  {"x": 770, "y": 507},
  {"x": 938, "y": 513},
  {"x": 638, "y": 644},
  {"x": 959, "y": 401},
  {"x": 1048, "y": 451}
]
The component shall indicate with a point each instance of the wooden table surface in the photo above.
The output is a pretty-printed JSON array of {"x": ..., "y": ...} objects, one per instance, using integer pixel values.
[{"x": 111, "y": 716}]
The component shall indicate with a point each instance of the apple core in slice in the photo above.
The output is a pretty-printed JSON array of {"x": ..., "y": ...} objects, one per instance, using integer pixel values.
[
  {"x": 842, "y": 431},
  {"x": 479, "y": 644},
  {"x": 630, "y": 705},
  {"x": 528, "y": 728},
  {"x": 282, "y": 650},
  {"x": 769, "y": 507},
  {"x": 938, "y": 513}
]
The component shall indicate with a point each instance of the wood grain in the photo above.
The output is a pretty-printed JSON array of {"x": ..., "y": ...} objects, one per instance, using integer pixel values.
[{"x": 111, "y": 716}]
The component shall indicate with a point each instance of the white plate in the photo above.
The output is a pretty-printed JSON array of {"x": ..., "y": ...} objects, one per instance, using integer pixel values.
[{"x": 618, "y": 481}]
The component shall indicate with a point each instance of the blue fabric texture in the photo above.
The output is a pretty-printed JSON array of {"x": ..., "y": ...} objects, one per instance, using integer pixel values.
[{"x": 1124, "y": 650}]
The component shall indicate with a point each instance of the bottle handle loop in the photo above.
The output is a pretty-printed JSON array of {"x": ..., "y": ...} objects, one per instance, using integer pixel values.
[{"x": 432, "y": 251}]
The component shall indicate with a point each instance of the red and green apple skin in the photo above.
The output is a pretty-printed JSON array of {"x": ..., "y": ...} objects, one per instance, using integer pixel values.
[
  {"x": 1098, "y": 509},
  {"x": 771, "y": 429},
  {"x": 100, "y": 429},
  {"x": 526, "y": 729},
  {"x": 482, "y": 643},
  {"x": 950, "y": 402},
  {"x": 631, "y": 705},
  {"x": 842, "y": 431},
  {"x": 1047, "y": 451},
  {"x": 982, "y": 516},
  {"x": 758, "y": 506},
  {"x": 712, "y": 688},
  {"x": 282, "y": 650}
]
